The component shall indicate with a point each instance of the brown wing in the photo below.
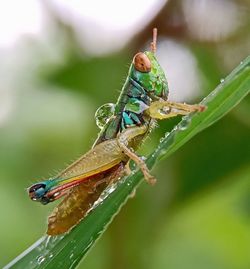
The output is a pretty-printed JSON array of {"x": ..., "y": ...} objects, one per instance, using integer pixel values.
[{"x": 79, "y": 200}]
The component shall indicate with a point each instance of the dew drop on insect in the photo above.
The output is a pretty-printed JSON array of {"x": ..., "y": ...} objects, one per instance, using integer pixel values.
[
  {"x": 56, "y": 194},
  {"x": 103, "y": 114}
]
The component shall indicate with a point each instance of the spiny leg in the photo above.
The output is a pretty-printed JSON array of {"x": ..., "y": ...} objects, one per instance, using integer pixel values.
[
  {"x": 128, "y": 171},
  {"x": 127, "y": 168},
  {"x": 148, "y": 177},
  {"x": 123, "y": 140},
  {"x": 165, "y": 109}
]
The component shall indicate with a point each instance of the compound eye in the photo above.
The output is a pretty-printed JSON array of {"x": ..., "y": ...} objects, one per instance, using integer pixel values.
[
  {"x": 37, "y": 191},
  {"x": 142, "y": 62}
]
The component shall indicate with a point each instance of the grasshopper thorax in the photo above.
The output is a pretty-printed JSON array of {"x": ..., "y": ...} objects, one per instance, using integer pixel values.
[
  {"x": 146, "y": 82},
  {"x": 147, "y": 72}
]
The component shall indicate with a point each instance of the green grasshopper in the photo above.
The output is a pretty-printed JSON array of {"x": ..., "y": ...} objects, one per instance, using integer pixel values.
[{"x": 143, "y": 100}]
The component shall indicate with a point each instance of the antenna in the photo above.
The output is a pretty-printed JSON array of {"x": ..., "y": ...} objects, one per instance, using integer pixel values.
[{"x": 153, "y": 43}]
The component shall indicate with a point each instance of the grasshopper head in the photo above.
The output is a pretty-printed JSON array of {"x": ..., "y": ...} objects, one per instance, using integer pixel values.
[
  {"x": 146, "y": 71},
  {"x": 40, "y": 191}
]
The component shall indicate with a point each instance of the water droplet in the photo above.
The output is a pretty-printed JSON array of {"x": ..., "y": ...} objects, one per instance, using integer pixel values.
[
  {"x": 176, "y": 128},
  {"x": 222, "y": 80},
  {"x": 103, "y": 114},
  {"x": 162, "y": 152},
  {"x": 162, "y": 139},
  {"x": 56, "y": 194},
  {"x": 104, "y": 195},
  {"x": 49, "y": 241},
  {"x": 40, "y": 259},
  {"x": 184, "y": 124},
  {"x": 166, "y": 134},
  {"x": 164, "y": 110}
]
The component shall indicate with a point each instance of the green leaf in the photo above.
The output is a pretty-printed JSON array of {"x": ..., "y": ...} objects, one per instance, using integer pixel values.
[{"x": 66, "y": 251}]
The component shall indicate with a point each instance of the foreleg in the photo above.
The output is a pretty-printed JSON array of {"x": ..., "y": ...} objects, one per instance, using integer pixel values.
[{"x": 165, "y": 109}]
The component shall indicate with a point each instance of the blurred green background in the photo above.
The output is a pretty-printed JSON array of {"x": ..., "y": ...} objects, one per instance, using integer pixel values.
[{"x": 60, "y": 61}]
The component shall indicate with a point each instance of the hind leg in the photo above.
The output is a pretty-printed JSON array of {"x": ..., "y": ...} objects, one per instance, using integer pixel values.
[{"x": 123, "y": 140}]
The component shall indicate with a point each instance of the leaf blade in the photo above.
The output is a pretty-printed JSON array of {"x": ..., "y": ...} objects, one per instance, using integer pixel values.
[{"x": 66, "y": 251}]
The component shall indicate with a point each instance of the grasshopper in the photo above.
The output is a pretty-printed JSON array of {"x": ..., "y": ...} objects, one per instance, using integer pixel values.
[{"x": 142, "y": 101}]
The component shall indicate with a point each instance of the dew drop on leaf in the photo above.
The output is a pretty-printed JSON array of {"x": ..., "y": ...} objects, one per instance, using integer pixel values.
[
  {"x": 40, "y": 259},
  {"x": 184, "y": 124},
  {"x": 161, "y": 139}
]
